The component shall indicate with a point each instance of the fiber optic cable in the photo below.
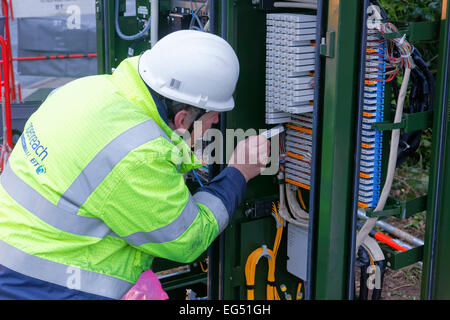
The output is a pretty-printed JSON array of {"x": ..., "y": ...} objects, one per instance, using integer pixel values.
[
  {"x": 196, "y": 177},
  {"x": 256, "y": 255}
]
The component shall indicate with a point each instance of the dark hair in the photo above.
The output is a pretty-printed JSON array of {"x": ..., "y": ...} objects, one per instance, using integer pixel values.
[{"x": 173, "y": 107}]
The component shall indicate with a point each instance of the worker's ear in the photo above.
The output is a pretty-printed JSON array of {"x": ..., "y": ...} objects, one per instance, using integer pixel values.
[{"x": 182, "y": 120}]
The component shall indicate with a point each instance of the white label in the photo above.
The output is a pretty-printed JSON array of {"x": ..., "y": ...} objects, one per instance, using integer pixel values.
[
  {"x": 130, "y": 8},
  {"x": 142, "y": 10}
]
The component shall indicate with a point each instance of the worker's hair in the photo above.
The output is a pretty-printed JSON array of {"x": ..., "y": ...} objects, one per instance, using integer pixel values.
[{"x": 174, "y": 107}]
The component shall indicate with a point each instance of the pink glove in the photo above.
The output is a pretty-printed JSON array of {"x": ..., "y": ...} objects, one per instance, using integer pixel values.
[{"x": 147, "y": 287}]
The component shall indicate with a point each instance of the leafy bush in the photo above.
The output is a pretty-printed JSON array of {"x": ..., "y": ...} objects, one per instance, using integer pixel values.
[
  {"x": 412, "y": 10},
  {"x": 416, "y": 11},
  {"x": 412, "y": 177}
]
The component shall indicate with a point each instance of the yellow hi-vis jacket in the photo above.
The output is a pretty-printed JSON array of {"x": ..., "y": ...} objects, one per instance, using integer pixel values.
[{"x": 94, "y": 189}]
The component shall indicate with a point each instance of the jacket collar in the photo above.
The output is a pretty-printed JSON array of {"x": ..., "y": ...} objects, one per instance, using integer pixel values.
[{"x": 131, "y": 86}]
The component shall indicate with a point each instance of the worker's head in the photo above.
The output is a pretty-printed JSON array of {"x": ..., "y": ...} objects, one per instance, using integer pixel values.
[{"x": 194, "y": 68}]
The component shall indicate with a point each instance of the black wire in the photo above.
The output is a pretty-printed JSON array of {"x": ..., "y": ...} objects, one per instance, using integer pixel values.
[
  {"x": 421, "y": 97},
  {"x": 363, "y": 262}
]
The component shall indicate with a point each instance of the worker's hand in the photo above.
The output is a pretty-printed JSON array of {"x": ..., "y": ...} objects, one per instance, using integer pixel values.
[{"x": 251, "y": 156}]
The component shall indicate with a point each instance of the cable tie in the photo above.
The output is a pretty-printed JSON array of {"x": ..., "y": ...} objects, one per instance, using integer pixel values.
[
  {"x": 402, "y": 40},
  {"x": 271, "y": 283}
]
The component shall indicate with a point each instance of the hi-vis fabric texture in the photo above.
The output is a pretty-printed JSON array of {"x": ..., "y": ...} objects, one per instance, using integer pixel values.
[{"x": 94, "y": 189}]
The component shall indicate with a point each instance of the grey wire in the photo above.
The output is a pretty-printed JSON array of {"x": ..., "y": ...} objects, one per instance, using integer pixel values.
[
  {"x": 123, "y": 36},
  {"x": 195, "y": 17}
]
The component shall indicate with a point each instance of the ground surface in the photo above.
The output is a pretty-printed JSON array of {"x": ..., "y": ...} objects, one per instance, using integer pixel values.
[{"x": 411, "y": 181}]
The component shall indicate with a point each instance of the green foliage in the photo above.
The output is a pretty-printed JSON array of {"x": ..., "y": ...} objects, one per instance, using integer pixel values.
[
  {"x": 415, "y": 10},
  {"x": 412, "y": 177},
  {"x": 412, "y": 10}
]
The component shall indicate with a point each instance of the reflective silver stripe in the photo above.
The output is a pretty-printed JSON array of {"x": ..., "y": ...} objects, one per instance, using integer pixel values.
[
  {"x": 169, "y": 232},
  {"x": 216, "y": 206},
  {"x": 63, "y": 275},
  {"x": 48, "y": 212},
  {"x": 65, "y": 221},
  {"x": 63, "y": 216},
  {"x": 104, "y": 161}
]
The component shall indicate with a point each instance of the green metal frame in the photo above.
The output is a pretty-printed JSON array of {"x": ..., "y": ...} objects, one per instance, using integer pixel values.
[
  {"x": 435, "y": 276},
  {"x": 337, "y": 151}
]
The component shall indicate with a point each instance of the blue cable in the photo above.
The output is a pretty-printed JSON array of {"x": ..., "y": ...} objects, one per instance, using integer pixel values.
[{"x": 196, "y": 177}]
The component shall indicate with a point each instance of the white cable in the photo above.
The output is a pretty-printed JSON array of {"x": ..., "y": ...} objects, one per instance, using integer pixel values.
[
  {"x": 283, "y": 210},
  {"x": 370, "y": 223},
  {"x": 294, "y": 206}
]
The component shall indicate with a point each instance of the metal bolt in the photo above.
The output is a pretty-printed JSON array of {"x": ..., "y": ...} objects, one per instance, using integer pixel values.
[{"x": 255, "y": 2}]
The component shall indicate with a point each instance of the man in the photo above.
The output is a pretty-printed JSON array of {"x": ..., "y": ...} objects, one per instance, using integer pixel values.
[{"x": 94, "y": 189}]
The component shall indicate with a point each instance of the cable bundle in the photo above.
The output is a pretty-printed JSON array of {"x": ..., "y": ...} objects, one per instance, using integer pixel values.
[{"x": 271, "y": 255}]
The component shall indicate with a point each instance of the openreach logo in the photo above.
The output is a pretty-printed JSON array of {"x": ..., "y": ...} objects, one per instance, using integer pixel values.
[{"x": 33, "y": 149}]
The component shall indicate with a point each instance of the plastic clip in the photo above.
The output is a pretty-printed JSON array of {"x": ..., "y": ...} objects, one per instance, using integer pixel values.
[{"x": 264, "y": 253}]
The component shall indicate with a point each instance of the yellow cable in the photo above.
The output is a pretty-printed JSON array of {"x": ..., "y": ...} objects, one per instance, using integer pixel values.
[
  {"x": 252, "y": 260},
  {"x": 299, "y": 290},
  {"x": 203, "y": 268},
  {"x": 250, "y": 269},
  {"x": 272, "y": 292},
  {"x": 301, "y": 199}
]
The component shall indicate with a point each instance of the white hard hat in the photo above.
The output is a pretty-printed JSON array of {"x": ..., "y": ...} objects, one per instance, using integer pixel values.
[{"x": 192, "y": 67}]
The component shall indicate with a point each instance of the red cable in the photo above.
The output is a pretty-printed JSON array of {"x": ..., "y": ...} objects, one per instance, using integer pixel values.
[{"x": 389, "y": 241}]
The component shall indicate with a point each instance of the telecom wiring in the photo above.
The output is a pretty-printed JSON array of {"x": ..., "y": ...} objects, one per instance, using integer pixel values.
[
  {"x": 294, "y": 206},
  {"x": 402, "y": 59},
  {"x": 197, "y": 178},
  {"x": 421, "y": 97},
  {"x": 370, "y": 223},
  {"x": 138, "y": 35},
  {"x": 386, "y": 239},
  {"x": 195, "y": 18},
  {"x": 283, "y": 210},
  {"x": 271, "y": 255},
  {"x": 300, "y": 198}
]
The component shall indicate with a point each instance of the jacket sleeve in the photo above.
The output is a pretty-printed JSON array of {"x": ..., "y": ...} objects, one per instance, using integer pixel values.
[
  {"x": 229, "y": 186},
  {"x": 152, "y": 209}
]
